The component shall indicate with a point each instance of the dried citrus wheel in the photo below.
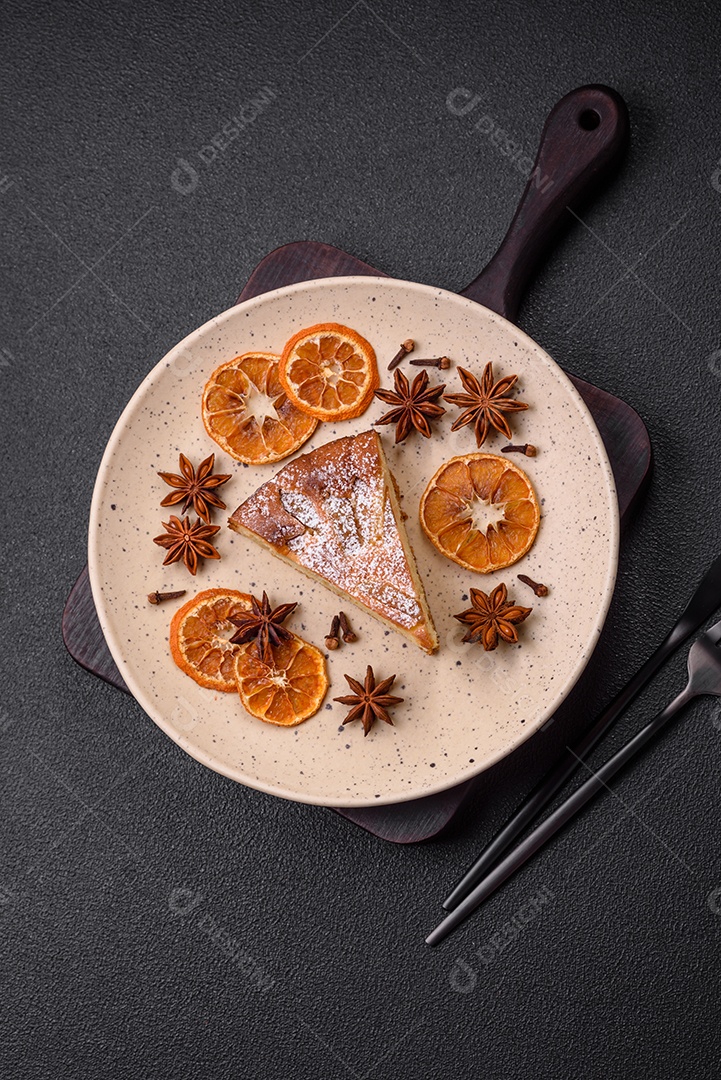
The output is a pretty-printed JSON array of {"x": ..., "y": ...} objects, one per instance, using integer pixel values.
[
  {"x": 480, "y": 511},
  {"x": 200, "y": 635},
  {"x": 329, "y": 371},
  {"x": 247, "y": 411},
  {"x": 288, "y": 689}
]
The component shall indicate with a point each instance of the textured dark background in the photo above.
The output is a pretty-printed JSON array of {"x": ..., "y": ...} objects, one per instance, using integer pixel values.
[{"x": 147, "y": 904}]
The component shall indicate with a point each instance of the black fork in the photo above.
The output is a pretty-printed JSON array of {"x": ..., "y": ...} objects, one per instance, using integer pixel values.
[{"x": 704, "y": 678}]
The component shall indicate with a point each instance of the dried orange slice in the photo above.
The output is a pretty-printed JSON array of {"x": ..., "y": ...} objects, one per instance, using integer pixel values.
[
  {"x": 481, "y": 511},
  {"x": 286, "y": 690},
  {"x": 329, "y": 371},
  {"x": 200, "y": 633},
  {"x": 247, "y": 411}
]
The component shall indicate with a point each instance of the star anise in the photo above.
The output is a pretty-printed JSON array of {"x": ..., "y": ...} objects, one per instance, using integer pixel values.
[
  {"x": 415, "y": 405},
  {"x": 492, "y": 617},
  {"x": 195, "y": 488},
  {"x": 263, "y": 625},
  {"x": 187, "y": 542},
  {"x": 369, "y": 702},
  {"x": 484, "y": 403}
]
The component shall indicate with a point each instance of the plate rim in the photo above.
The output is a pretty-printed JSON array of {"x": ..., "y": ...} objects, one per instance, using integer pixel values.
[{"x": 236, "y": 774}]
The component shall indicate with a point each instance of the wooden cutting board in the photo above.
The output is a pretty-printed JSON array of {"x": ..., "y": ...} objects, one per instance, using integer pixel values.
[{"x": 574, "y": 157}]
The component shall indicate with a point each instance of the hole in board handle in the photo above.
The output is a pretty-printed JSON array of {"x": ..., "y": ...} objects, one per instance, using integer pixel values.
[{"x": 589, "y": 120}]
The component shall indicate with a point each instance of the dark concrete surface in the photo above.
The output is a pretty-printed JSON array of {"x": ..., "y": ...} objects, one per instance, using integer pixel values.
[{"x": 158, "y": 920}]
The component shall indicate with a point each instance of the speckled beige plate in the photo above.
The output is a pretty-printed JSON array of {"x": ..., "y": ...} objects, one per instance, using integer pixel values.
[{"x": 464, "y": 709}]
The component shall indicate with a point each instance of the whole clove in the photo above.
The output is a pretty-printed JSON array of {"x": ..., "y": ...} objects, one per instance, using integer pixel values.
[
  {"x": 525, "y": 448},
  {"x": 407, "y": 347},
  {"x": 538, "y": 588},
  {"x": 332, "y": 640},
  {"x": 441, "y": 362},
  {"x": 159, "y": 597},
  {"x": 348, "y": 634}
]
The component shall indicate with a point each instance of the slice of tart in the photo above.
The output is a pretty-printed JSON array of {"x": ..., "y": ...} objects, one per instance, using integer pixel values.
[{"x": 334, "y": 514}]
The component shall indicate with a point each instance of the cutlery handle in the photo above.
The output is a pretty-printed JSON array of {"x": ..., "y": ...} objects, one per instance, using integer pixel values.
[
  {"x": 564, "y": 769},
  {"x": 560, "y": 817},
  {"x": 584, "y": 138}
]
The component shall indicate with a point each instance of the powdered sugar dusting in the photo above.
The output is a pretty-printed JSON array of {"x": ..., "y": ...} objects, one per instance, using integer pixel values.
[
  {"x": 298, "y": 506},
  {"x": 349, "y": 533}
]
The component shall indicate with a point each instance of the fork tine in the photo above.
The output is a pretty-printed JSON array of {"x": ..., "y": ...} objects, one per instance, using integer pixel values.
[{"x": 714, "y": 633}]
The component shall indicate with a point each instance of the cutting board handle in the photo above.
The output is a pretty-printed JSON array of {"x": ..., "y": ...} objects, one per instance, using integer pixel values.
[{"x": 583, "y": 139}]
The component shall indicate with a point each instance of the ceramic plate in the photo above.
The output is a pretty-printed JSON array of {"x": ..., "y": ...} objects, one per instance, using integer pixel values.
[{"x": 464, "y": 709}]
